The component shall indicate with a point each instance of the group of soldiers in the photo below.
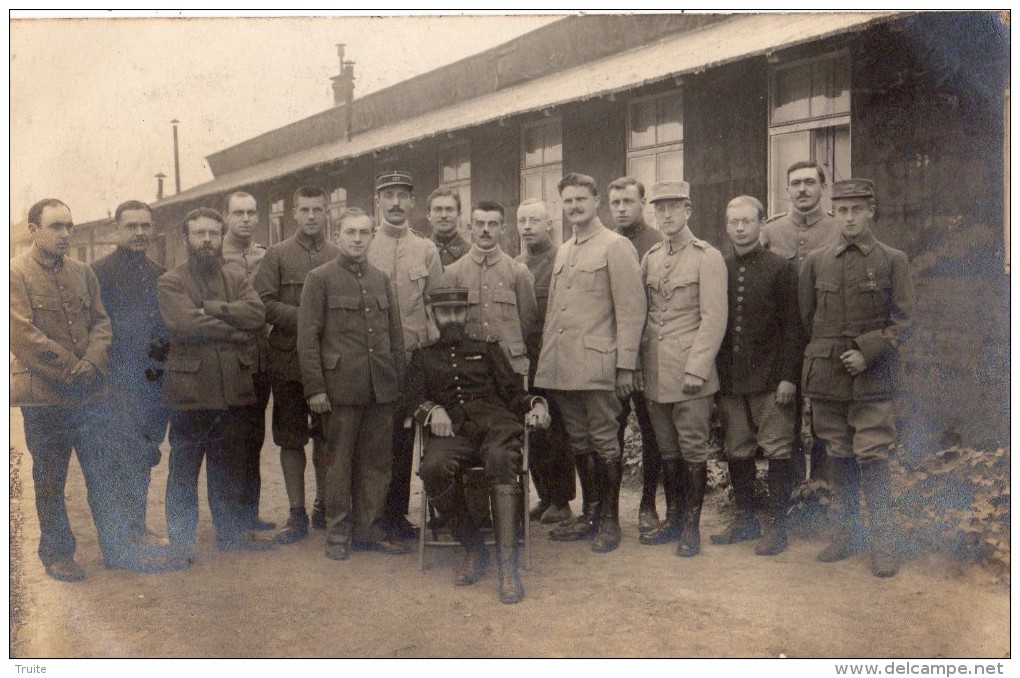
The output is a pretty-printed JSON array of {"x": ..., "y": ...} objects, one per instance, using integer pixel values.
[{"x": 364, "y": 339}]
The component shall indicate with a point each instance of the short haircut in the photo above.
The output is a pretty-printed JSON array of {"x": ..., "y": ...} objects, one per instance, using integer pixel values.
[
  {"x": 208, "y": 213},
  {"x": 489, "y": 206},
  {"x": 310, "y": 192},
  {"x": 622, "y": 183},
  {"x": 443, "y": 192},
  {"x": 806, "y": 164},
  {"x": 580, "y": 180},
  {"x": 354, "y": 213},
  {"x": 534, "y": 201},
  {"x": 237, "y": 194},
  {"x": 748, "y": 201},
  {"x": 35, "y": 212},
  {"x": 130, "y": 205}
]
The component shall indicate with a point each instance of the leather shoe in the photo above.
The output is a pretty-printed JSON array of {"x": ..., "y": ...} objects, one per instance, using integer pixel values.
[
  {"x": 66, "y": 570},
  {"x": 386, "y": 545},
  {"x": 557, "y": 514},
  {"x": 539, "y": 510},
  {"x": 262, "y": 525},
  {"x": 339, "y": 551},
  {"x": 319, "y": 515},
  {"x": 400, "y": 528},
  {"x": 247, "y": 541},
  {"x": 476, "y": 561}
]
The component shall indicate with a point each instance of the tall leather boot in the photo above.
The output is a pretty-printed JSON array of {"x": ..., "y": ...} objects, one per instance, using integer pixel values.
[
  {"x": 695, "y": 478},
  {"x": 586, "y": 524},
  {"x": 780, "y": 481},
  {"x": 611, "y": 475},
  {"x": 744, "y": 525},
  {"x": 452, "y": 506},
  {"x": 848, "y": 537},
  {"x": 875, "y": 480},
  {"x": 651, "y": 469},
  {"x": 505, "y": 501},
  {"x": 672, "y": 482}
]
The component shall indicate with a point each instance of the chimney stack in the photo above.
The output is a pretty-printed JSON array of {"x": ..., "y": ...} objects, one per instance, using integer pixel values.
[
  {"x": 159, "y": 185},
  {"x": 343, "y": 89}
]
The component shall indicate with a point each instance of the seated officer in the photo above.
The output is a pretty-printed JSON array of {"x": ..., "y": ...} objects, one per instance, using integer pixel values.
[{"x": 473, "y": 398}]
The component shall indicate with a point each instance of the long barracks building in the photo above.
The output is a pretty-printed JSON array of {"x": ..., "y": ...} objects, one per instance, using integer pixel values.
[{"x": 918, "y": 102}]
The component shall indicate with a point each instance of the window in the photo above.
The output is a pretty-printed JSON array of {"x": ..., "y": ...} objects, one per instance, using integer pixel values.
[
  {"x": 455, "y": 173},
  {"x": 276, "y": 211},
  {"x": 337, "y": 204},
  {"x": 655, "y": 141},
  {"x": 809, "y": 120},
  {"x": 542, "y": 169}
]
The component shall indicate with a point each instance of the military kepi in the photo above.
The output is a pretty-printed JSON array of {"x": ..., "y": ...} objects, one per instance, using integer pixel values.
[
  {"x": 387, "y": 179},
  {"x": 853, "y": 188},
  {"x": 449, "y": 296},
  {"x": 669, "y": 190}
]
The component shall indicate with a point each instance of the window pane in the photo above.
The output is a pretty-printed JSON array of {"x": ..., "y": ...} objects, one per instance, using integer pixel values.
[
  {"x": 785, "y": 149},
  {"x": 642, "y": 123},
  {"x": 671, "y": 119},
  {"x": 464, "y": 166},
  {"x": 642, "y": 168},
  {"x": 553, "y": 143},
  {"x": 532, "y": 140},
  {"x": 791, "y": 94},
  {"x": 531, "y": 187},
  {"x": 830, "y": 87},
  {"x": 669, "y": 166}
]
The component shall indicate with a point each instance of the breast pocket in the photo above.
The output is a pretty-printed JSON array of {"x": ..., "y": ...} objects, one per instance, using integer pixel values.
[
  {"x": 683, "y": 292},
  {"x": 593, "y": 274},
  {"x": 44, "y": 306},
  {"x": 506, "y": 304},
  {"x": 348, "y": 307},
  {"x": 183, "y": 382},
  {"x": 419, "y": 276},
  {"x": 877, "y": 297},
  {"x": 826, "y": 298}
]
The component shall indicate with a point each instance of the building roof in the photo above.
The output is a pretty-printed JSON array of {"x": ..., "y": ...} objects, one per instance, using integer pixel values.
[{"x": 738, "y": 37}]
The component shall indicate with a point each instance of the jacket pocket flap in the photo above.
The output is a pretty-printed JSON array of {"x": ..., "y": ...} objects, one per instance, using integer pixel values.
[
  {"x": 344, "y": 301},
  {"x": 418, "y": 272},
  {"x": 473, "y": 297},
  {"x": 329, "y": 361},
  {"x": 826, "y": 286},
  {"x": 504, "y": 297},
  {"x": 592, "y": 265},
  {"x": 818, "y": 350},
  {"x": 517, "y": 348},
  {"x": 184, "y": 363},
  {"x": 383, "y": 301},
  {"x": 600, "y": 344},
  {"x": 682, "y": 281},
  {"x": 43, "y": 302}
]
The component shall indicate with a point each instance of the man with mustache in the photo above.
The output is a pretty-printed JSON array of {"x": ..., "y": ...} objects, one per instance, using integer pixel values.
[
  {"x": 412, "y": 263},
  {"x": 443, "y": 211},
  {"x": 685, "y": 279},
  {"x": 472, "y": 399},
  {"x": 501, "y": 291},
  {"x": 589, "y": 357},
  {"x": 127, "y": 281},
  {"x": 551, "y": 466},
  {"x": 351, "y": 350},
  {"x": 279, "y": 281},
  {"x": 241, "y": 253},
  {"x": 60, "y": 334},
  {"x": 627, "y": 204},
  {"x": 213, "y": 315}
]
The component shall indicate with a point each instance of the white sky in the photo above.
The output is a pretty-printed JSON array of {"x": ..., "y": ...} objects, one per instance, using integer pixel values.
[{"x": 91, "y": 99}]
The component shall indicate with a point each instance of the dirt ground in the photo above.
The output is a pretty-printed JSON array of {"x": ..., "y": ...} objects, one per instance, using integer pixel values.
[{"x": 638, "y": 601}]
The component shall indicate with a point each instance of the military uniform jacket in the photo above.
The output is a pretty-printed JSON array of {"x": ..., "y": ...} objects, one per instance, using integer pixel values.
[
  {"x": 349, "y": 340},
  {"x": 540, "y": 262},
  {"x": 412, "y": 263},
  {"x": 641, "y": 236},
  {"x": 57, "y": 319},
  {"x": 212, "y": 318},
  {"x": 501, "y": 301},
  {"x": 793, "y": 235},
  {"x": 686, "y": 286},
  {"x": 764, "y": 340},
  {"x": 246, "y": 260},
  {"x": 596, "y": 312},
  {"x": 451, "y": 250},
  {"x": 279, "y": 280},
  {"x": 855, "y": 296},
  {"x": 127, "y": 284},
  {"x": 472, "y": 380}
]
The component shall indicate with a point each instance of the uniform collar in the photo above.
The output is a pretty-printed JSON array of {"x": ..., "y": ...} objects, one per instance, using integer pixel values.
[
  {"x": 395, "y": 231},
  {"x": 540, "y": 248},
  {"x": 48, "y": 261},
  {"x": 310, "y": 242},
  {"x": 865, "y": 243},
  {"x": 594, "y": 229},
  {"x": 680, "y": 241},
  {"x": 129, "y": 255},
  {"x": 447, "y": 241},
  {"x": 807, "y": 219},
  {"x": 758, "y": 249},
  {"x": 479, "y": 256},
  {"x": 634, "y": 230},
  {"x": 350, "y": 263},
  {"x": 236, "y": 243}
]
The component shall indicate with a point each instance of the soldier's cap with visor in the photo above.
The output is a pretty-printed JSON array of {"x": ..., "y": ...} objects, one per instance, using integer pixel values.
[
  {"x": 395, "y": 178},
  {"x": 853, "y": 188},
  {"x": 449, "y": 296},
  {"x": 669, "y": 190}
]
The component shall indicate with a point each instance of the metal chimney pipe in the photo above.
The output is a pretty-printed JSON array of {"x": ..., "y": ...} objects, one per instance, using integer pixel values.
[
  {"x": 159, "y": 185},
  {"x": 177, "y": 159}
]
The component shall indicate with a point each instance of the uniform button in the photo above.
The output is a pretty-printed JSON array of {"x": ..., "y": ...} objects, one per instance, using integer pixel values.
[
  {"x": 740, "y": 298},
  {"x": 737, "y": 328},
  {"x": 455, "y": 377},
  {"x": 802, "y": 242},
  {"x": 572, "y": 265},
  {"x": 740, "y": 289},
  {"x": 740, "y": 279},
  {"x": 740, "y": 319},
  {"x": 660, "y": 337},
  {"x": 485, "y": 305},
  {"x": 485, "y": 287},
  {"x": 736, "y": 349},
  {"x": 563, "y": 308},
  {"x": 367, "y": 309},
  {"x": 742, "y": 269},
  {"x": 371, "y": 350},
  {"x": 561, "y": 330},
  {"x": 568, "y": 287},
  {"x": 486, "y": 323},
  {"x": 370, "y": 330},
  {"x": 68, "y": 322},
  {"x": 668, "y": 264},
  {"x": 364, "y": 291}
]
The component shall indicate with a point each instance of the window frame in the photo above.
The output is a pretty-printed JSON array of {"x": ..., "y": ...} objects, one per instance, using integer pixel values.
[
  {"x": 542, "y": 170},
  {"x": 656, "y": 149}
]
